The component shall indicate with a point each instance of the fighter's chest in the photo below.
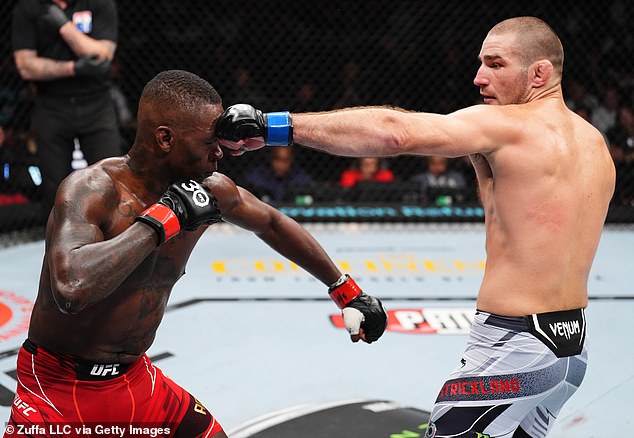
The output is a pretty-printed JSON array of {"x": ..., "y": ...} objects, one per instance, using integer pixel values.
[{"x": 165, "y": 265}]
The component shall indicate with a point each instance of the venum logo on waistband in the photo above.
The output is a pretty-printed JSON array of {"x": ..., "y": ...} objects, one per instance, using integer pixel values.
[
  {"x": 565, "y": 328},
  {"x": 562, "y": 332},
  {"x": 103, "y": 370}
]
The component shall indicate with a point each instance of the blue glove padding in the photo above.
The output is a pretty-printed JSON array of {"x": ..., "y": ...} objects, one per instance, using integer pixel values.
[{"x": 242, "y": 121}]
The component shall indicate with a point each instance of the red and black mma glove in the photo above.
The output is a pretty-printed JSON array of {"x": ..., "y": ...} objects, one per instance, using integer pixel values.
[
  {"x": 186, "y": 205},
  {"x": 242, "y": 122},
  {"x": 359, "y": 310}
]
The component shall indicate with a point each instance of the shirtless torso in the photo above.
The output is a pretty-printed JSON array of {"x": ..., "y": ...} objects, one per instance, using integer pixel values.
[
  {"x": 545, "y": 197},
  {"x": 121, "y": 328}
]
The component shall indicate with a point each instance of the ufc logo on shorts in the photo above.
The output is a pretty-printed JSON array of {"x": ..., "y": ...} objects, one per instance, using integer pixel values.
[
  {"x": 103, "y": 370},
  {"x": 199, "y": 195}
]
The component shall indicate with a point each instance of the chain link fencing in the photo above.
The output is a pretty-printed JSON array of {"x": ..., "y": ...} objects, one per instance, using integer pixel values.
[{"x": 312, "y": 56}]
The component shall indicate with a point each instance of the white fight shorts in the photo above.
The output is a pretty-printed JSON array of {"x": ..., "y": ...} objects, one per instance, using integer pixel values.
[{"x": 516, "y": 372}]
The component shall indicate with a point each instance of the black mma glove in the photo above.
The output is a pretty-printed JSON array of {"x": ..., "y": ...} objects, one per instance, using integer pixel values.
[
  {"x": 186, "y": 205},
  {"x": 359, "y": 310},
  {"x": 91, "y": 65},
  {"x": 52, "y": 16},
  {"x": 242, "y": 121}
]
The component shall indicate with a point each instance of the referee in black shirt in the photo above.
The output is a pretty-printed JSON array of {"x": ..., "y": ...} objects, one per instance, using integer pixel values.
[{"x": 65, "y": 48}]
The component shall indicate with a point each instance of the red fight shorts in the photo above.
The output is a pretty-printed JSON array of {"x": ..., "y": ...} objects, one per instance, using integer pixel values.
[{"x": 63, "y": 396}]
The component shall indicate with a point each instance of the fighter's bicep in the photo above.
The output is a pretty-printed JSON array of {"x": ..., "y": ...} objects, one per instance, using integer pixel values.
[
  {"x": 70, "y": 232},
  {"x": 82, "y": 207},
  {"x": 482, "y": 129},
  {"x": 465, "y": 132}
]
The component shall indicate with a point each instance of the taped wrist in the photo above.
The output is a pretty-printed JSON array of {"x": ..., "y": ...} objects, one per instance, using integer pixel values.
[
  {"x": 343, "y": 291},
  {"x": 279, "y": 129},
  {"x": 162, "y": 219}
]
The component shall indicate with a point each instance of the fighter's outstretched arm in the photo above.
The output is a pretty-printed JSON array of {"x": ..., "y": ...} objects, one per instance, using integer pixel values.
[
  {"x": 369, "y": 131},
  {"x": 386, "y": 131},
  {"x": 364, "y": 315}
]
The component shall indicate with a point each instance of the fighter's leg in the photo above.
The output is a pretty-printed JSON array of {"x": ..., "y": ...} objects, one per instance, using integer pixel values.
[
  {"x": 505, "y": 372},
  {"x": 540, "y": 420}
]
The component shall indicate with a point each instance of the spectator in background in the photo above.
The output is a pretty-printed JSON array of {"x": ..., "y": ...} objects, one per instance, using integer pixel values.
[
  {"x": 438, "y": 175},
  {"x": 65, "y": 49},
  {"x": 366, "y": 169},
  {"x": 245, "y": 89},
  {"x": 623, "y": 130},
  {"x": 605, "y": 114},
  {"x": 306, "y": 97},
  {"x": 577, "y": 94},
  {"x": 584, "y": 112},
  {"x": 19, "y": 172},
  {"x": 622, "y": 151},
  {"x": 350, "y": 86},
  {"x": 271, "y": 181}
]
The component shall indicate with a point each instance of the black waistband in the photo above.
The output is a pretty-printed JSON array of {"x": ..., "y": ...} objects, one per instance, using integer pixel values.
[
  {"x": 84, "y": 369},
  {"x": 524, "y": 323},
  {"x": 515, "y": 323},
  {"x": 564, "y": 332}
]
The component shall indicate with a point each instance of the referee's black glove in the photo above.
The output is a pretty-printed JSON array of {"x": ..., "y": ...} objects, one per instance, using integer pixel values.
[{"x": 92, "y": 66}]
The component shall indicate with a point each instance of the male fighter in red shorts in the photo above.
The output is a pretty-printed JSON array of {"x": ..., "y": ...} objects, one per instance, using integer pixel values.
[{"x": 117, "y": 240}]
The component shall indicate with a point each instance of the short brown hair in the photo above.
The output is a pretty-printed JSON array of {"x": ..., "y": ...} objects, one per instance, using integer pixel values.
[{"x": 537, "y": 40}]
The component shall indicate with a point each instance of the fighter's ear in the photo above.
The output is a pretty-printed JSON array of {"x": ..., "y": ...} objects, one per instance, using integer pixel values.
[
  {"x": 541, "y": 71},
  {"x": 164, "y": 136}
]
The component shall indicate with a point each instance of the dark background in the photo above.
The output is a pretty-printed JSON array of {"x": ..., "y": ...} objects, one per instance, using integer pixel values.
[{"x": 419, "y": 55}]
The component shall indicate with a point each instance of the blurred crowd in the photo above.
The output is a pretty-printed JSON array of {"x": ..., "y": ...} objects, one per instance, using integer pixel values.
[{"x": 336, "y": 56}]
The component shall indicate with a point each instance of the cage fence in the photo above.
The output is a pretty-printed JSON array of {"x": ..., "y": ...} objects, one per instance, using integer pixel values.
[{"x": 326, "y": 54}]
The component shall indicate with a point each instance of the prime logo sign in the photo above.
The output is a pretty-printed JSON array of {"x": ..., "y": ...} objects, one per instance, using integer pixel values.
[{"x": 441, "y": 321}]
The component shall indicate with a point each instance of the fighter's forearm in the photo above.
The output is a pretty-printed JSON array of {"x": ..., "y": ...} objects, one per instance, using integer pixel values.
[
  {"x": 93, "y": 272},
  {"x": 369, "y": 131},
  {"x": 295, "y": 243}
]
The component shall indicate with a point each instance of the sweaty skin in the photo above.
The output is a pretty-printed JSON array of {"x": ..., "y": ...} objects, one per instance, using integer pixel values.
[
  {"x": 545, "y": 175},
  {"x": 104, "y": 284}
]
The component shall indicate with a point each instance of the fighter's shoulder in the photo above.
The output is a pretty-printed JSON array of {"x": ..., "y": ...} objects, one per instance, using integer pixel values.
[
  {"x": 97, "y": 179},
  {"x": 495, "y": 112},
  {"x": 589, "y": 130},
  {"x": 491, "y": 125},
  {"x": 218, "y": 180},
  {"x": 222, "y": 187}
]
